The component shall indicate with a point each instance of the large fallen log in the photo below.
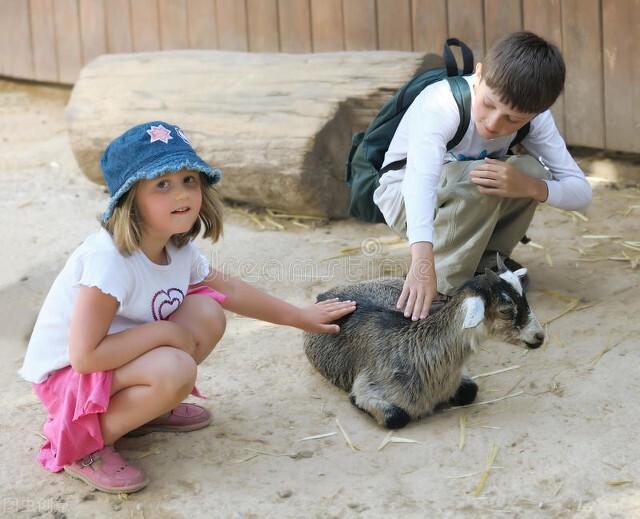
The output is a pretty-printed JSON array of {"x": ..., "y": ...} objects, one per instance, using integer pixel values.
[{"x": 278, "y": 125}]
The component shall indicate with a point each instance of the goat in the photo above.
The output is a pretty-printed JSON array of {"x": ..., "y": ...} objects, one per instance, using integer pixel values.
[{"x": 397, "y": 370}]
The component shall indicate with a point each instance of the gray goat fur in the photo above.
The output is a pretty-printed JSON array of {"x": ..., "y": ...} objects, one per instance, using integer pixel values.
[{"x": 396, "y": 369}]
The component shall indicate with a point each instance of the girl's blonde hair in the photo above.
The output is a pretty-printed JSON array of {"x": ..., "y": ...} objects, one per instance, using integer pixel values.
[{"x": 125, "y": 226}]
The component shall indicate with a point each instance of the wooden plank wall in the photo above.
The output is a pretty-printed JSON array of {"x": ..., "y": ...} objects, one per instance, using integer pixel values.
[{"x": 50, "y": 40}]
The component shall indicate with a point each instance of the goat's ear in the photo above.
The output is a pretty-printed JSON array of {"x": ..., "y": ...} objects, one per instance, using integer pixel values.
[
  {"x": 491, "y": 276},
  {"x": 501, "y": 266},
  {"x": 521, "y": 272},
  {"x": 474, "y": 311}
]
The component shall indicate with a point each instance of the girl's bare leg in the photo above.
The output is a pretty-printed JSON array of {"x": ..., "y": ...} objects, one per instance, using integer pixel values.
[
  {"x": 145, "y": 388},
  {"x": 205, "y": 319},
  {"x": 157, "y": 381}
]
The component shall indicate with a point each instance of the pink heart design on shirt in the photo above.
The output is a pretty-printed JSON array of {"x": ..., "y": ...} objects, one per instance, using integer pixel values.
[{"x": 165, "y": 302}]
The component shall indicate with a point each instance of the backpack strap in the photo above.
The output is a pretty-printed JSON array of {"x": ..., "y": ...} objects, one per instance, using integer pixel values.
[
  {"x": 462, "y": 95},
  {"x": 522, "y": 133},
  {"x": 450, "y": 60}
]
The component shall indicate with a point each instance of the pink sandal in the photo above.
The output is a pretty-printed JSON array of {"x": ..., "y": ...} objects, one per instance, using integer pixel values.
[
  {"x": 109, "y": 472},
  {"x": 183, "y": 418}
]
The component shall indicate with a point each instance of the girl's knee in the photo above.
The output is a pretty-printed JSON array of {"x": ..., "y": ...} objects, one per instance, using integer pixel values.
[
  {"x": 173, "y": 370},
  {"x": 206, "y": 317},
  {"x": 213, "y": 316}
]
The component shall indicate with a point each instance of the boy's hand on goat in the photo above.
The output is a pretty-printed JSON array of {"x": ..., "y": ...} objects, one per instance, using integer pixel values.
[
  {"x": 315, "y": 318},
  {"x": 420, "y": 286},
  {"x": 498, "y": 178}
]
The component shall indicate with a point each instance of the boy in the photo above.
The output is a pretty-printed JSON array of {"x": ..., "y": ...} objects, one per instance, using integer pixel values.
[{"x": 481, "y": 204}]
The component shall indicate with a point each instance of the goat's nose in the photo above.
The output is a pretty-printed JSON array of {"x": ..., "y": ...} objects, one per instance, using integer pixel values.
[{"x": 538, "y": 340}]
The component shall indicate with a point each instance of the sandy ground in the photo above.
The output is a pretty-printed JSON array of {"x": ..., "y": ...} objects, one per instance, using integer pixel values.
[{"x": 567, "y": 437}]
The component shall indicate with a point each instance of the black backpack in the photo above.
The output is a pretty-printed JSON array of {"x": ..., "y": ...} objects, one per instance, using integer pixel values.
[{"x": 364, "y": 165}]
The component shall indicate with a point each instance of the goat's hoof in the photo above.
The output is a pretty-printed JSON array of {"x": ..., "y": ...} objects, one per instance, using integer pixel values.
[
  {"x": 466, "y": 392},
  {"x": 396, "y": 417}
]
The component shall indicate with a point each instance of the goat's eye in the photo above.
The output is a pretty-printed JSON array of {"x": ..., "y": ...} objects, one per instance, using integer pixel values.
[{"x": 507, "y": 312}]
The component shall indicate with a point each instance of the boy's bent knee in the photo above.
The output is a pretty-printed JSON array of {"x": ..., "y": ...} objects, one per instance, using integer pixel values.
[{"x": 530, "y": 166}]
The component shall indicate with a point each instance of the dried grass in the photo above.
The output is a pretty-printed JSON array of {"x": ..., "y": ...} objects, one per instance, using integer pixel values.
[
  {"x": 317, "y": 436},
  {"x": 515, "y": 385},
  {"x": 485, "y": 475},
  {"x": 547, "y": 257},
  {"x": 487, "y": 401},
  {"x": 596, "y": 358},
  {"x": 147, "y": 453},
  {"x": 496, "y": 372},
  {"x": 274, "y": 213},
  {"x": 463, "y": 423},
  {"x": 574, "y": 215},
  {"x": 353, "y": 447},
  {"x": 573, "y": 305},
  {"x": 461, "y": 476},
  {"x": 267, "y": 220},
  {"x": 601, "y": 237},
  {"x": 389, "y": 438},
  {"x": 270, "y": 221}
]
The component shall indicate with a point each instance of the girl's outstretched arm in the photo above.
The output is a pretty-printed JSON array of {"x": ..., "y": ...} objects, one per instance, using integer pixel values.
[
  {"x": 91, "y": 349},
  {"x": 244, "y": 299}
]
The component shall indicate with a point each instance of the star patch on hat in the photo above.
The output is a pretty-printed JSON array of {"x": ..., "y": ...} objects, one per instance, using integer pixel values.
[{"x": 159, "y": 133}]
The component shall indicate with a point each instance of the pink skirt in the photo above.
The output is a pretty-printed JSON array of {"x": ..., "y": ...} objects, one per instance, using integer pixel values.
[
  {"x": 205, "y": 290},
  {"x": 74, "y": 402}
]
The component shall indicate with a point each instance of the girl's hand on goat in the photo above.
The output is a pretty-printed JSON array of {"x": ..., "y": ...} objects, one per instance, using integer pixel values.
[
  {"x": 315, "y": 318},
  {"x": 498, "y": 178},
  {"x": 420, "y": 286}
]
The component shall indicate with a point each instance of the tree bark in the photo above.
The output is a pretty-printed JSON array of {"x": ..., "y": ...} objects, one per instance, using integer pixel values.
[{"x": 278, "y": 125}]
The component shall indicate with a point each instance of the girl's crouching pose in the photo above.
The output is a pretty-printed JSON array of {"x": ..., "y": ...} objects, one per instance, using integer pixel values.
[{"x": 136, "y": 308}]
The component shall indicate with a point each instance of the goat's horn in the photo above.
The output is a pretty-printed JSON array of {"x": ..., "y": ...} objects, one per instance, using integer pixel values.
[{"x": 501, "y": 266}]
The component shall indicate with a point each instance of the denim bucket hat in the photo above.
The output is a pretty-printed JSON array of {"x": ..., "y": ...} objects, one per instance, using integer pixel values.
[{"x": 148, "y": 151}]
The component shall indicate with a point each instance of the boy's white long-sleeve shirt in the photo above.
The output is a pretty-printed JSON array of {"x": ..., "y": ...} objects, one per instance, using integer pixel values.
[{"x": 421, "y": 137}]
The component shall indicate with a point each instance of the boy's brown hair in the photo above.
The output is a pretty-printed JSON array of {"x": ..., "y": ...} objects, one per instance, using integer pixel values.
[
  {"x": 125, "y": 227},
  {"x": 526, "y": 71}
]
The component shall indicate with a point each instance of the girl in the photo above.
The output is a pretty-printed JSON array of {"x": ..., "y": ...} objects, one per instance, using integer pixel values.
[{"x": 136, "y": 308}]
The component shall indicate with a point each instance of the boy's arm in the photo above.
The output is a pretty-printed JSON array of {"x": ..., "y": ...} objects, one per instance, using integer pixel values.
[
  {"x": 92, "y": 350},
  {"x": 420, "y": 286},
  {"x": 434, "y": 121},
  {"x": 244, "y": 299},
  {"x": 499, "y": 178},
  {"x": 567, "y": 189}
]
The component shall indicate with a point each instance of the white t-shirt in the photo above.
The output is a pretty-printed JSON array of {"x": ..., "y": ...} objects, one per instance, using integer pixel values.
[
  {"x": 421, "y": 137},
  {"x": 145, "y": 290}
]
